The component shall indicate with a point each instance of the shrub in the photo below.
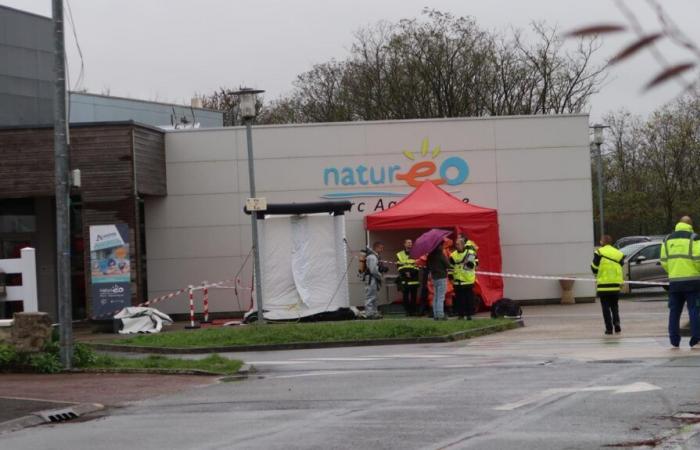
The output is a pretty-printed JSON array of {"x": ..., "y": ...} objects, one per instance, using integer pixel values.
[
  {"x": 8, "y": 356},
  {"x": 45, "y": 362},
  {"x": 83, "y": 356}
]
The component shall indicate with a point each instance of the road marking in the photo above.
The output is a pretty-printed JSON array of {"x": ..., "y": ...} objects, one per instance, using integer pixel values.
[
  {"x": 349, "y": 359},
  {"x": 317, "y": 374},
  {"x": 622, "y": 389},
  {"x": 335, "y": 359},
  {"x": 275, "y": 363}
]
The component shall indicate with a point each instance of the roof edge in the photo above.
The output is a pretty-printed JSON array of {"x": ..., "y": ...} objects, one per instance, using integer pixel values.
[{"x": 44, "y": 126}]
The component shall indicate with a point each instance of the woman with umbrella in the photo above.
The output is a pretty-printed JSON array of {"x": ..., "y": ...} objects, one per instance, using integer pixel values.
[{"x": 430, "y": 243}]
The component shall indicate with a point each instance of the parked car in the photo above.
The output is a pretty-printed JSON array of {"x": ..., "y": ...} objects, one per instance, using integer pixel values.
[
  {"x": 643, "y": 263},
  {"x": 629, "y": 240}
]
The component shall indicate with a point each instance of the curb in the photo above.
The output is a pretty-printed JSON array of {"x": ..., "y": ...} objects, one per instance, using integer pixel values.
[
  {"x": 35, "y": 418},
  {"x": 460, "y": 335},
  {"x": 243, "y": 373},
  {"x": 148, "y": 371}
]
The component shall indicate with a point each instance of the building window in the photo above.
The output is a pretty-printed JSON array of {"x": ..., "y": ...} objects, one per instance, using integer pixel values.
[{"x": 17, "y": 216}]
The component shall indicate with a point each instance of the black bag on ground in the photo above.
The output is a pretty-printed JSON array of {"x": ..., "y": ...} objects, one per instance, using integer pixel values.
[{"x": 506, "y": 307}]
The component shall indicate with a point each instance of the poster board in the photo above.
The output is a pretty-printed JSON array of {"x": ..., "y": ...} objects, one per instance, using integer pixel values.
[{"x": 110, "y": 269}]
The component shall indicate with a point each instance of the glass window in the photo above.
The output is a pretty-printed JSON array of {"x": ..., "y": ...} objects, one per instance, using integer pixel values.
[
  {"x": 17, "y": 215},
  {"x": 651, "y": 252}
]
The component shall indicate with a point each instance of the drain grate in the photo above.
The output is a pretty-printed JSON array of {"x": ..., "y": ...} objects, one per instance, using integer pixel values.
[{"x": 58, "y": 415}]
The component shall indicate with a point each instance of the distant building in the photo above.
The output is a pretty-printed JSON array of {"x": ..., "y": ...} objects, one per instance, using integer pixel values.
[
  {"x": 26, "y": 85},
  {"x": 86, "y": 107},
  {"x": 26, "y": 71}
]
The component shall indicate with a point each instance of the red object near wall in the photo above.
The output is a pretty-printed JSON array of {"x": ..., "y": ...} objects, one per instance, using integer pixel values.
[{"x": 428, "y": 206}]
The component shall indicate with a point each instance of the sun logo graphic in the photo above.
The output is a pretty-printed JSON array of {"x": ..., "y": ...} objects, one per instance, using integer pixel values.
[{"x": 452, "y": 171}]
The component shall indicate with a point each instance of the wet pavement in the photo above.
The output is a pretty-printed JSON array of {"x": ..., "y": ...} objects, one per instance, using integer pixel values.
[
  {"x": 558, "y": 383},
  {"x": 12, "y": 408}
]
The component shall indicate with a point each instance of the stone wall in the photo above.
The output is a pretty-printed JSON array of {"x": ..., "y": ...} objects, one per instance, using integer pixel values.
[{"x": 29, "y": 332}]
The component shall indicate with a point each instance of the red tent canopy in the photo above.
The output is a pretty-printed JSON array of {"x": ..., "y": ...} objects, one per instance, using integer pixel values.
[{"x": 428, "y": 206}]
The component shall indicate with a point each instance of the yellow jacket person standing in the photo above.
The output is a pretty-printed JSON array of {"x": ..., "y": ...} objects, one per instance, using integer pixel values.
[
  {"x": 680, "y": 257},
  {"x": 408, "y": 281},
  {"x": 607, "y": 267},
  {"x": 464, "y": 261}
]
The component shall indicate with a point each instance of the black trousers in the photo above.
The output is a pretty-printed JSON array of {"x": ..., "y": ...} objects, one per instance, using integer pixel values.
[
  {"x": 424, "y": 277},
  {"x": 410, "y": 298},
  {"x": 464, "y": 300},
  {"x": 611, "y": 313}
]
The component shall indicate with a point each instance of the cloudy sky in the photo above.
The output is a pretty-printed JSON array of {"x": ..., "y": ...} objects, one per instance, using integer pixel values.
[{"x": 169, "y": 49}]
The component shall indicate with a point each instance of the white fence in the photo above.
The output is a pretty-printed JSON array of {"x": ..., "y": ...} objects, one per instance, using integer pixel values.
[{"x": 26, "y": 265}]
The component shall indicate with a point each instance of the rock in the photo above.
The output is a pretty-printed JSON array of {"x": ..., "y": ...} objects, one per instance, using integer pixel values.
[{"x": 31, "y": 331}]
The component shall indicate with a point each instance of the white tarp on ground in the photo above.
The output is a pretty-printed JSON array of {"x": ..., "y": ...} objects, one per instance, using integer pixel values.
[
  {"x": 304, "y": 265},
  {"x": 138, "y": 319}
]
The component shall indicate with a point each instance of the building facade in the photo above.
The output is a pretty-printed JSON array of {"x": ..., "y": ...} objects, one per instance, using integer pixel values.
[
  {"x": 535, "y": 170},
  {"x": 121, "y": 164}
]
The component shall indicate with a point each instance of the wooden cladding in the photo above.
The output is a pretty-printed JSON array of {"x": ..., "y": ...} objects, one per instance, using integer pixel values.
[
  {"x": 115, "y": 161},
  {"x": 118, "y": 163}
]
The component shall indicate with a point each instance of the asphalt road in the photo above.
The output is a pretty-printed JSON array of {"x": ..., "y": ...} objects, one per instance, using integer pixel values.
[{"x": 523, "y": 389}]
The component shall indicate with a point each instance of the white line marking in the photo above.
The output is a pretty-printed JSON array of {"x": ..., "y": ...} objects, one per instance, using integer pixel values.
[
  {"x": 316, "y": 374},
  {"x": 622, "y": 389},
  {"x": 275, "y": 363}
]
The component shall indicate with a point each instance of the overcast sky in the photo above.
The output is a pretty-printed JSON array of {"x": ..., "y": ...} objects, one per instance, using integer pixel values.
[{"x": 169, "y": 49}]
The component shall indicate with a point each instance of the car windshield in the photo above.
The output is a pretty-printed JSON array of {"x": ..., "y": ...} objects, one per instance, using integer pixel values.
[{"x": 632, "y": 248}]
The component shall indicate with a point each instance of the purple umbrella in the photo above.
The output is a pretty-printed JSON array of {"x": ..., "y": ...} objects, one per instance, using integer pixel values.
[{"x": 428, "y": 241}]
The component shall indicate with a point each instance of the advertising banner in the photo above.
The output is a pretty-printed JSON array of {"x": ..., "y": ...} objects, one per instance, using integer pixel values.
[{"x": 110, "y": 269}]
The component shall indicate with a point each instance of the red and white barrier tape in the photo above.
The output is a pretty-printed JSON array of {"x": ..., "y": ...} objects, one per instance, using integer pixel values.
[
  {"x": 191, "y": 298},
  {"x": 205, "y": 300}
]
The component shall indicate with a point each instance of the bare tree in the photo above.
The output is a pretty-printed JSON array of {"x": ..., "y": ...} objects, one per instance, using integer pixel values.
[
  {"x": 446, "y": 66},
  {"x": 644, "y": 40}
]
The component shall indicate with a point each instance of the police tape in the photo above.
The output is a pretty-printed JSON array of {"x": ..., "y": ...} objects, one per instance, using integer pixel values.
[
  {"x": 202, "y": 286},
  {"x": 562, "y": 278}
]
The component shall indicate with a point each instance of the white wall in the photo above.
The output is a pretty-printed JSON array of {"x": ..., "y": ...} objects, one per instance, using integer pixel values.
[{"x": 535, "y": 170}]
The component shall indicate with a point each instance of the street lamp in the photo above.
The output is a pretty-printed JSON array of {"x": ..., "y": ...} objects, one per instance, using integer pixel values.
[
  {"x": 246, "y": 102},
  {"x": 598, "y": 140}
]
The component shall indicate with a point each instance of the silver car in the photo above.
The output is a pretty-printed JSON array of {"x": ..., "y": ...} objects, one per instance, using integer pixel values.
[{"x": 643, "y": 263}]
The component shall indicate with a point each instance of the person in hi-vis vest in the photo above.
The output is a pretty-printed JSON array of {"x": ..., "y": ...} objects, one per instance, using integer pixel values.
[
  {"x": 680, "y": 257},
  {"x": 464, "y": 261},
  {"x": 607, "y": 267},
  {"x": 408, "y": 281}
]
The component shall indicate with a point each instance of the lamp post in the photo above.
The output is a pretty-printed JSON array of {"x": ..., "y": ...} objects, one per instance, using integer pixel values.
[
  {"x": 598, "y": 140},
  {"x": 246, "y": 102}
]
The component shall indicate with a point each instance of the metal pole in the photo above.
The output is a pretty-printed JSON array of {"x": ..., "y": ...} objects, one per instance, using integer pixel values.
[
  {"x": 254, "y": 222},
  {"x": 601, "y": 217},
  {"x": 62, "y": 184}
]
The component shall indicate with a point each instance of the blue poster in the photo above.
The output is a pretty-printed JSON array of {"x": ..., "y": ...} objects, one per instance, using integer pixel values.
[{"x": 110, "y": 269}]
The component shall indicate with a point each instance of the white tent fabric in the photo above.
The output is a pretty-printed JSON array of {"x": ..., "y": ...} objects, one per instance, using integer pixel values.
[
  {"x": 304, "y": 265},
  {"x": 138, "y": 319}
]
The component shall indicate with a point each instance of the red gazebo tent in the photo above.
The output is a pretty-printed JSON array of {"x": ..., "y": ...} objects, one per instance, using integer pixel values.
[{"x": 428, "y": 206}]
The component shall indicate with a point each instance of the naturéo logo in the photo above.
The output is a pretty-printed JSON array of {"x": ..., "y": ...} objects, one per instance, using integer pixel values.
[{"x": 451, "y": 171}]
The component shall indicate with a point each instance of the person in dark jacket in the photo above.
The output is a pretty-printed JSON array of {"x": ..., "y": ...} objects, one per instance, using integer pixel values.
[{"x": 438, "y": 264}]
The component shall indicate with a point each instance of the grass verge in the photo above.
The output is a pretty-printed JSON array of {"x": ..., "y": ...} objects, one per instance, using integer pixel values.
[
  {"x": 84, "y": 358},
  {"x": 294, "y": 333},
  {"x": 213, "y": 364}
]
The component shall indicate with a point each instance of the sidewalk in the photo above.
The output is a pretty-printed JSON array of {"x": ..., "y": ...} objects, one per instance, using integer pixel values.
[
  {"x": 21, "y": 395},
  {"x": 582, "y": 321},
  {"x": 107, "y": 389}
]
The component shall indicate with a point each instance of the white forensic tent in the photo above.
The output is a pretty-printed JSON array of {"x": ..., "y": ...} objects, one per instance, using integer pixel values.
[{"x": 304, "y": 264}]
